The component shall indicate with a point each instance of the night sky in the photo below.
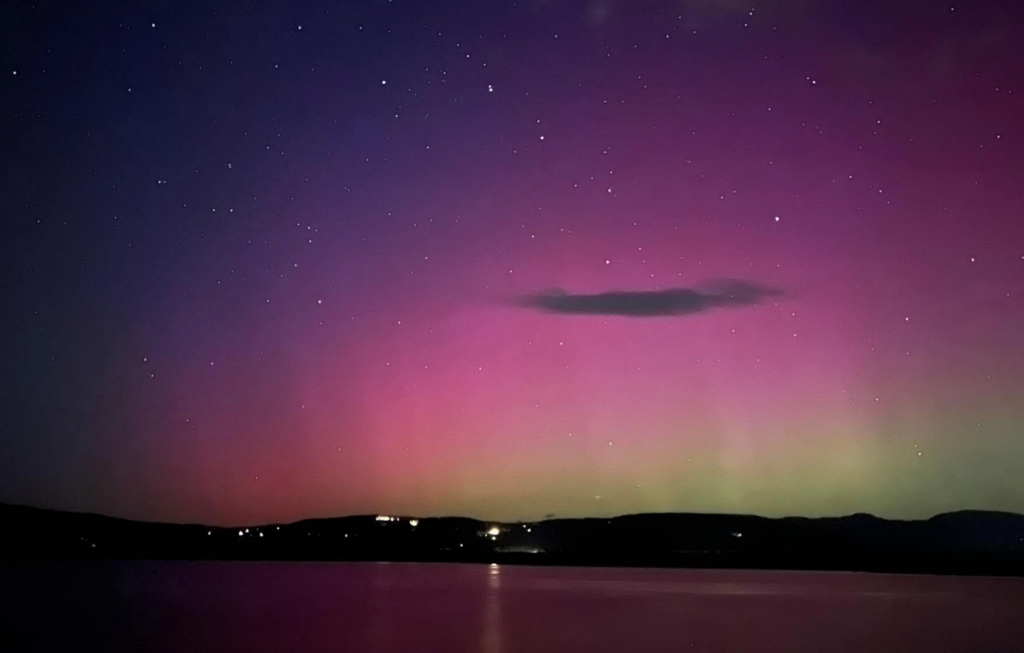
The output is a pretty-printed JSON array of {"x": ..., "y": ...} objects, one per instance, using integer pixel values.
[{"x": 267, "y": 260}]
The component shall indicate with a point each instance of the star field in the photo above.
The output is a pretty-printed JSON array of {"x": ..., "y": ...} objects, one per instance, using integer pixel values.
[{"x": 263, "y": 261}]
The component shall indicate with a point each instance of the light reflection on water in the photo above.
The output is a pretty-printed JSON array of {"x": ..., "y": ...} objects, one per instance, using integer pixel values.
[
  {"x": 500, "y": 609},
  {"x": 492, "y": 637}
]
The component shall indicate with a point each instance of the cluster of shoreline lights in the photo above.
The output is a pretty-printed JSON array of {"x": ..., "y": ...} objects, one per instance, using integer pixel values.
[
  {"x": 245, "y": 532},
  {"x": 493, "y": 532},
  {"x": 384, "y": 518}
]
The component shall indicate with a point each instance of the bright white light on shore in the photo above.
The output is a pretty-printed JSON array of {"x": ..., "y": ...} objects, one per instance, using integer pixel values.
[
  {"x": 414, "y": 522},
  {"x": 494, "y": 532},
  {"x": 240, "y": 533},
  {"x": 383, "y": 518}
]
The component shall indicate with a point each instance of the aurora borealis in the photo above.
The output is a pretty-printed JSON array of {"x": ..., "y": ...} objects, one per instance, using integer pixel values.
[{"x": 262, "y": 260}]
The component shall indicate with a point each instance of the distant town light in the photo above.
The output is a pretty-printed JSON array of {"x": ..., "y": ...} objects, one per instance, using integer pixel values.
[
  {"x": 240, "y": 533},
  {"x": 383, "y": 518},
  {"x": 494, "y": 532},
  {"x": 414, "y": 522}
]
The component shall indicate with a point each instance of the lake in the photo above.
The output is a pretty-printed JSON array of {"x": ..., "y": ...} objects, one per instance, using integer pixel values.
[{"x": 421, "y": 608}]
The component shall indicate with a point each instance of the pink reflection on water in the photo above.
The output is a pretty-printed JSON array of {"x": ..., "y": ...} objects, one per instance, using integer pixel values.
[{"x": 508, "y": 609}]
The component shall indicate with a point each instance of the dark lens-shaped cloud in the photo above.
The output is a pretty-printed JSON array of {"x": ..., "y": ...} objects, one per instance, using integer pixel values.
[{"x": 675, "y": 301}]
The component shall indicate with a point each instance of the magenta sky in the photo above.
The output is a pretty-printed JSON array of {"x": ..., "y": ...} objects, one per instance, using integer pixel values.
[{"x": 266, "y": 263}]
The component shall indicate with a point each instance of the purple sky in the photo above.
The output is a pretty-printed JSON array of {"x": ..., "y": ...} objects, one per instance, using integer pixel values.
[{"x": 275, "y": 260}]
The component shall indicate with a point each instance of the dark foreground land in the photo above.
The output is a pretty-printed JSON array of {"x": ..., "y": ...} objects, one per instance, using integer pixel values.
[{"x": 967, "y": 543}]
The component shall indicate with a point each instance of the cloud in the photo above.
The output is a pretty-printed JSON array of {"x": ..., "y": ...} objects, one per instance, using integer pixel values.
[{"x": 659, "y": 303}]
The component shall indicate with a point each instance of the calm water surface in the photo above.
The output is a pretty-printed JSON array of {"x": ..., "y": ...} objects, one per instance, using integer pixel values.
[{"x": 183, "y": 606}]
